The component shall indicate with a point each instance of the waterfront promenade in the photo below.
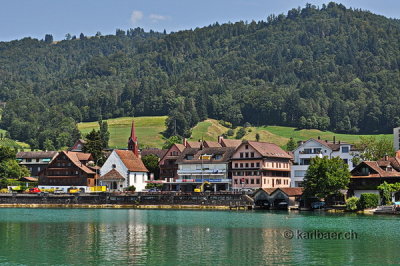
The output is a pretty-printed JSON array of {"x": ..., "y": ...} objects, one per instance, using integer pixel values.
[{"x": 174, "y": 200}]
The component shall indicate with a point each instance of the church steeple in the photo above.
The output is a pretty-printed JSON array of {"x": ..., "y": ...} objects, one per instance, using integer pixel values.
[{"x": 133, "y": 142}]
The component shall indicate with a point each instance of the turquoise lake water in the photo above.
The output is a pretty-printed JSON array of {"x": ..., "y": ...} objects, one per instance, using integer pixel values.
[{"x": 169, "y": 237}]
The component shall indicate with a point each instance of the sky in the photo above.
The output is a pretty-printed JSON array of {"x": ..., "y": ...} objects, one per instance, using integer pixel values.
[{"x": 35, "y": 18}]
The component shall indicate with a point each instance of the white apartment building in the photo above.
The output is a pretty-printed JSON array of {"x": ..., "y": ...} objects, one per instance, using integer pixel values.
[{"x": 303, "y": 154}]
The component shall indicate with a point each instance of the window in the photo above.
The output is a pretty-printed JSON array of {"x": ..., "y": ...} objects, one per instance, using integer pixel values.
[
  {"x": 252, "y": 181},
  {"x": 346, "y": 161},
  {"x": 188, "y": 157},
  {"x": 236, "y": 165},
  {"x": 247, "y": 165},
  {"x": 257, "y": 164},
  {"x": 218, "y": 157},
  {"x": 247, "y": 155},
  {"x": 241, "y": 165},
  {"x": 265, "y": 181},
  {"x": 28, "y": 160},
  {"x": 345, "y": 149},
  {"x": 246, "y": 147},
  {"x": 257, "y": 181},
  {"x": 113, "y": 166},
  {"x": 236, "y": 181},
  {"x": 37, "y": 160},
  {"x": 252, "y": 165},
  {"x": 252, "y": 154}
]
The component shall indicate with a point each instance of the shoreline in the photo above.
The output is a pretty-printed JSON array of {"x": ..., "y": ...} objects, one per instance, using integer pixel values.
[{"x": 114, "y": 206}]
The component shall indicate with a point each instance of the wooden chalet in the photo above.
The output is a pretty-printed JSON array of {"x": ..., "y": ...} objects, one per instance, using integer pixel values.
[
  {"x": 368, "y": 175},
  {"x": 69, "y": 169}
]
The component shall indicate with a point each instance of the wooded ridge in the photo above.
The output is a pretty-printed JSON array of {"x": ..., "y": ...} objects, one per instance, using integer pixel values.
[{"x": 325, "y": 68}]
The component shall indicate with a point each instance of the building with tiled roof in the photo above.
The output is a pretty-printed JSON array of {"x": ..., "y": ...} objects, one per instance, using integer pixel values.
[
  {"x": 260, "y": 165},
  {"x": 368, "y": 175},
  {"x": 229, "y": 142},
  {"x": 199, "y": 165},
  {"x": 160, "y": 153},
  {"x": 168, "y": 165},
  {"x": 35, "y": 161},
  {"x": 278, "y": 198},
  {"x": 69, "y": 169},
  {"x": 129, "y": 166},
  {"x": 311, "y": 148},
  {"x": 211, "y": 144}
]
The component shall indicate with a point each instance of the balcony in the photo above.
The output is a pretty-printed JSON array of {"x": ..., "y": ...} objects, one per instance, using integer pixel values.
[{"x": 202, "y": 172}]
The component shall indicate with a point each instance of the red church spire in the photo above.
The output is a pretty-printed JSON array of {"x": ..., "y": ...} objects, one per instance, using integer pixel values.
[{"x": 133, "y": 142}]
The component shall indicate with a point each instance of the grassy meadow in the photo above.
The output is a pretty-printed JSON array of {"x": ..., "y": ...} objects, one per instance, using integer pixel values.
[{"x": 149, "y": 129}]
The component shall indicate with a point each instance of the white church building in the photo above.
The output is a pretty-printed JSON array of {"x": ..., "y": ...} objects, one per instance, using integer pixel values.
[{"x": 124, "y": 168}]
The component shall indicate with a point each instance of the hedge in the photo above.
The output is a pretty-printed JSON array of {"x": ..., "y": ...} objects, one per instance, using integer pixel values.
[
  {"x": 368, "y": 200},
  {"x": 352, "y": 203}
]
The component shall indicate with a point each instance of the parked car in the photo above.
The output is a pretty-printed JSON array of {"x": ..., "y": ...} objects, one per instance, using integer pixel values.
[{"x": 34, "y": 190}]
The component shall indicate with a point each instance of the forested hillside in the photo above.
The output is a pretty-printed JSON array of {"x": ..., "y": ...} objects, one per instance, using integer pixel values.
[{"x": 328, "y": 68}]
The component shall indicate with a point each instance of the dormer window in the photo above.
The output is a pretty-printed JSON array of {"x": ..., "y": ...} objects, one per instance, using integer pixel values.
[
  {"x": 365, "y": 171},
  {"x": 345, "y": 149},
  {"x": 218, "y": 156},
  {"x": 189, "y": 157},
  {"x": 389, "y": 169}
]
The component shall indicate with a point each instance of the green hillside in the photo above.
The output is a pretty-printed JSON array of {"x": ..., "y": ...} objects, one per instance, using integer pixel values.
[
  {"x": 11, "y": 143},
  {"x": 149, "y": 131},
  {"x": 327, "y": 68}
]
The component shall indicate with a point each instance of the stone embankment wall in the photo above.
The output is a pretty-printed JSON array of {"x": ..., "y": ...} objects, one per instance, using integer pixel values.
[{"x": 209, "y": 199}]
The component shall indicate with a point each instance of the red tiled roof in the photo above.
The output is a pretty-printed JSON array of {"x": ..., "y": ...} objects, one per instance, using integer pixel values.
[
  {"x": 180, "y": 147},
  {"x": 113, "y": 174},
  {"x": 292, "y": 191},
  {"x": 379, "y": 168},
  {"x": 77, "y": 157},
  {"x": 211, "y": 144},
  {"x": 83, "y": 156},
  {"x": 157, "y": 152},
  {"x": 231, "y": 142},
  {"x": 36, "y": 154},
  {"x": 131, "y": 161},
  {"x": 269, "y": 190},
  {"x": 269, "y": 149},
  {"x": 193, "y": 144}
]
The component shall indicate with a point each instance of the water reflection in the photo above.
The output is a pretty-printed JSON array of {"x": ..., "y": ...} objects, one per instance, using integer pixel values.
[{"x": 127, "y": 237}]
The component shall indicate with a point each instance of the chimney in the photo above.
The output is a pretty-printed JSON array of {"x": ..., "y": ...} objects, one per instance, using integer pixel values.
[
  {"x": 339, "y": 142},
  {"x": 185, "y": 142},
  {"x": 334, "y": 139},
  {"x": 386, "y": 157},
  {"x": 220, "y": 138},
  {"x": 319, "y": 137}
]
